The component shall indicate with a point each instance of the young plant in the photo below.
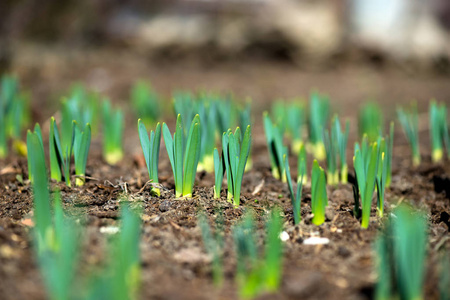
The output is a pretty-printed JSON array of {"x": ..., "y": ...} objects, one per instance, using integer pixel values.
[
  {"x": 365, "y": 161},
  {"x": 296, "y": 117},
  {"x": 319, "y": 199},
  {"x": 150, "y": 146},
  {"x": 371, "y": 121},
  {"x": 81, "y": 106},
  {"x": 37, "y": 131},
  {"x": 409, "y": 121},
  {"x": 319, "y": 107},
  {"x": 341, "y": 139},
  {"x": 255, "y": 275},
  {"x": 56, "y": 237},
  {"x": 184, "y": 168},
  {"x": 219, "y": 170},
  {"x": 297, "y": 197},
  {"x": 81, "y": 145},
  {"x": 389, "y": 151},
  {"x": 207, "y": 111},
  {"x": 402, "y": 253},
  {"x": 301, "y": 164},
  {"x": 331, "y": 151},
  {"x": 59, "y": 157},
  {"x": 58, "y": 259},
  {"x": 213, "y": 243},
  {"x": 235, "y": 152},
  {"x": 274, "y": 138},
  {"x": 145, "y": 102},
  {"x": 113, "y": 126},
  {"x": 439, "y": 130},
  {"x": 14, "y": 115},
  {"x": 121, "y": 277}
]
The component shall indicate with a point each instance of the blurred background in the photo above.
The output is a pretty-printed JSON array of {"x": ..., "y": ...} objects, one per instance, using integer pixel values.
[{"x": 351, "y": 49}]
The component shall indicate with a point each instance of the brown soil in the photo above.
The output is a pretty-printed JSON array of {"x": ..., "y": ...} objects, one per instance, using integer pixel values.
[{"x": 174, "y": 263}]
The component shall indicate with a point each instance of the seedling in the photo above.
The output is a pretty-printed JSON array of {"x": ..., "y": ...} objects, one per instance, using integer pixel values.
[
  {"x": 319, "y": 107},
  {"x": 409, "y": 121},
  {"x": 389, "y": 149},
  {"x": 14, "y": 115},
  {"x": 341, "y": 138},
  {"x": 82, "y": 106},
  {"x": 235, "y": 153},
  {"x": 331, "y": 151},
  {"x": 150, "y": 146},
  {"x": 56, "y": 237},
  {"x": 402, "y": 251},
  {"x": 145, "y": 103},
  {"x": 81, "y": 147},
  {"x": 296, "y": 120},
  {"x": 365, "y": 161},
  {"x": 319, "y": 199},
  {"x": 59, "y": 157},
  {"x": 301, "y": 164},
  {"x": 206, "y": 107},
  {"x": 336, "y": 148},
  {"x": 371, "y": 121},
  {"x": 113, "y": 126},
  {"x": 297, "y": 197},
  {"x": 122, "y": 276},
  {"x": 274, "y": 138},
  {"x": 213, "y": 242},
  {"x": 60, "y": 161},
  {"x": 255, "y": 275},
  {"x": 184, "y": 169},
  {"x": 219, "y": 170},
  {"x": 438, "y": 130},
  {"x": 36, "y": 132}
]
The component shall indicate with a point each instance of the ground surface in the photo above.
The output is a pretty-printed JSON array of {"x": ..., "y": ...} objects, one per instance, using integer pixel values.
[{"x": 174, "y": 263}]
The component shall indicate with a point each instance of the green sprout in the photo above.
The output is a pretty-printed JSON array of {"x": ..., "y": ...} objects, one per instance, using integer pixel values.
[
  {"x": 401, "y": 253},
  {"x": 439, "y": 130},
  {"x": 274, "y": 138},
  {"x": 81, "y": 145},
  {"x": 244, "y": 114},
  {"x": 383, "y": 169},
  {"x": 184, "y": 168},
  {"x": 331, "y": 155},
  {"x": 301, "y": 164},
  {"x": 37, "y": 131},
  {"x": 341, "y": 139},
  {"x": 150, "y": 144},
  {"x": 60, "y": 160},
  {"x": 389, "y": 150},
  {"x": 145, "y": 102},
  {"x": 336, "y": 150},
  {"x": 370, "y": 121},
  {"x": 219, "y": 170},
  {"x": 56, "y": 237},
  {"x": 214, "y": 243},
  {"x": 59, "y": 157},
  {"x": 365, "y": 161},
  {"x": 81, "y": 106},
  {"x": 121, "y": 277},
  {"x": 409, "y": 121},
  {"x": 255, "y": 275},
  {"x": 235, "y": 152},
  {"x": 14, "y": 115},
  {"x": 296, "y": 117},
  {"x": 319, "y": 199},
  {"x": 297, "y": 197},
  {"x": 205, "y": 106},
  {"x": 319, "y": 108},
  {"x": 113, "y": 126}
]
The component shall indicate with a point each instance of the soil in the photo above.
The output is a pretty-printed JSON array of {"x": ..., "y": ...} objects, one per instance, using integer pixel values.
[{"x": 174, "y": 262}]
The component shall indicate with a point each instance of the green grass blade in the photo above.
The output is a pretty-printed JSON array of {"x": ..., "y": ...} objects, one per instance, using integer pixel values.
[
  {"x": 178, "y": 139},
  {"x": 218, "y": 174},
  {"x": 243, "y": 156},
  {"x": 192, "y": 156}
]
